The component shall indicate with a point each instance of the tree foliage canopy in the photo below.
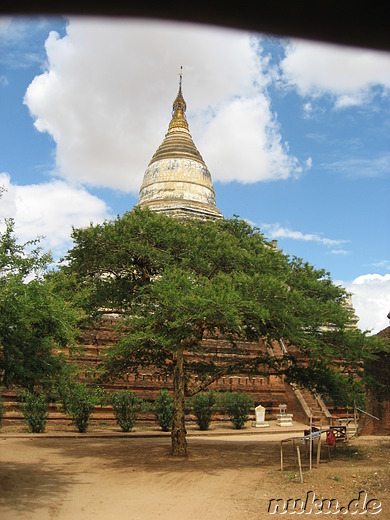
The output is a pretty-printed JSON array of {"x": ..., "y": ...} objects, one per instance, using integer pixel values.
[
  {"x": 35, "y": 322},
  {"x": 176, "y": 283}
]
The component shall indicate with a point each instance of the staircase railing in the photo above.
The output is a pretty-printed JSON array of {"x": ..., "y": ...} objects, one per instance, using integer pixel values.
[
  {"x": 324, "y": 408},
  {"x": 302, "y": 400},
  {"x": 361, "y": 424}
]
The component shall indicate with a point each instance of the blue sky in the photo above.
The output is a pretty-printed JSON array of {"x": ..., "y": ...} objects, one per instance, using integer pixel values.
[{"x": 295, "y": 135}]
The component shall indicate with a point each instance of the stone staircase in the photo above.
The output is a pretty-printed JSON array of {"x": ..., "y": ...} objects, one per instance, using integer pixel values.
[{"x": 313, "y": 407}]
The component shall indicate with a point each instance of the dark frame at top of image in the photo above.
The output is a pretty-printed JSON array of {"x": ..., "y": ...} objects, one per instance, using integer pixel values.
[{"x": 359, "y": 23}]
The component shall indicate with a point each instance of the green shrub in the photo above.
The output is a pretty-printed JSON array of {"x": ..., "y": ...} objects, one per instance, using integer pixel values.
[
  {"x": 203, "y": 405},
  {"x": 163, "y": 410},
  {"x": 237, "y": 406},
  {"x": 79, "y": 401},
  {"x": 35, "y": 411},
  {"x": 126, "y": 405}
]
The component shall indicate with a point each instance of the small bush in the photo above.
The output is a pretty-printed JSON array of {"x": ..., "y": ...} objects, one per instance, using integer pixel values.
[
  {"x": 237, "y": 406},
  {"x": 163, "y": 410},
  {"x": 35, "y": 411},
  {"x": 79, "y": 401},
  {"x": 203, "y": 405},
  {"x": 126, "y": 407}
]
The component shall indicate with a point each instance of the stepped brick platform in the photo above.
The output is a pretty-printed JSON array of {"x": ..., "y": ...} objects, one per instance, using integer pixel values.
[{"x": 268, "y": 390}]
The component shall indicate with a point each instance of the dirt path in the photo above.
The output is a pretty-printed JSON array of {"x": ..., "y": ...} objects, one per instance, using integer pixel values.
[{"x": 224, "y": 478}]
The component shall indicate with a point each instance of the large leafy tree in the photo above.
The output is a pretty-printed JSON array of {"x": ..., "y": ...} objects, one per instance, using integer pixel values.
[
  {"x": 176, "y": 283},
  {"x": 35, "y": 321}
]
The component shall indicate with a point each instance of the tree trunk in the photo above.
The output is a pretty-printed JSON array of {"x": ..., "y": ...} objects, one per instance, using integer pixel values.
[{"x": 179, "y": 432}]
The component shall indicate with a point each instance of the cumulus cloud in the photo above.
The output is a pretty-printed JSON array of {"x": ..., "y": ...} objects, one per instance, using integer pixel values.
[
  {"x": 49, "y": 210},
  {"x": 371, "y": 300},
  {"x": 244, "y": 143},
  {"x": 347, "y": 74},
  {"x": 106, "y": 96}
]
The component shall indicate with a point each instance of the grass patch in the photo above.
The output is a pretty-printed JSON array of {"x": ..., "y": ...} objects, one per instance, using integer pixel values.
[
  {"x": 335, "y": 477},
  {"x": 291, "y": 476},
  {"x": 350, "y": 452},
  {"x": 374, "y": 481}
]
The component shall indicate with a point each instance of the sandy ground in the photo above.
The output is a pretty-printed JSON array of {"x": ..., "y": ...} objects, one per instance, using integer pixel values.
[{"x": 225, "y": 477}]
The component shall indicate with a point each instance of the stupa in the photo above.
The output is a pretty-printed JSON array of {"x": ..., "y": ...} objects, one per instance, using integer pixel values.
[{"x": 177, "y": 181}]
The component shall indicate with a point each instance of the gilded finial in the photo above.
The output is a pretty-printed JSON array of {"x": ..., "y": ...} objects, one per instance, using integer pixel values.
[
  {"x": 180, "y": 77},
  {"x": 179, "y": 107}
]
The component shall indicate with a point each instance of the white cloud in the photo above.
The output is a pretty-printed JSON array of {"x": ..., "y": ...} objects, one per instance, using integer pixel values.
[
  {"x": 359, "y": 167},
  {"x": 49, "y": 210},
  {"x": 7, "y": 32},
  {"x": 307, "y": 109},
  {"x": 309, "y": 163},
  {"x": 20, "y": 42},
  {"x": 341, "y": 252},
  {"x": 347, "y": 74},
  {"x": 371, "y": 300},
  {"x": 107, "y": 93},
  {"x": 243, "y": 143},
  {"x": 384, "y": 264},
  {"x": 276, "y": 231}
]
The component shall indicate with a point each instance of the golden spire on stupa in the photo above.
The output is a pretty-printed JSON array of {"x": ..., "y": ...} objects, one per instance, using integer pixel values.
[
  {"x": 177, "y": 181},
  {"x": 179, "y": 108}
]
